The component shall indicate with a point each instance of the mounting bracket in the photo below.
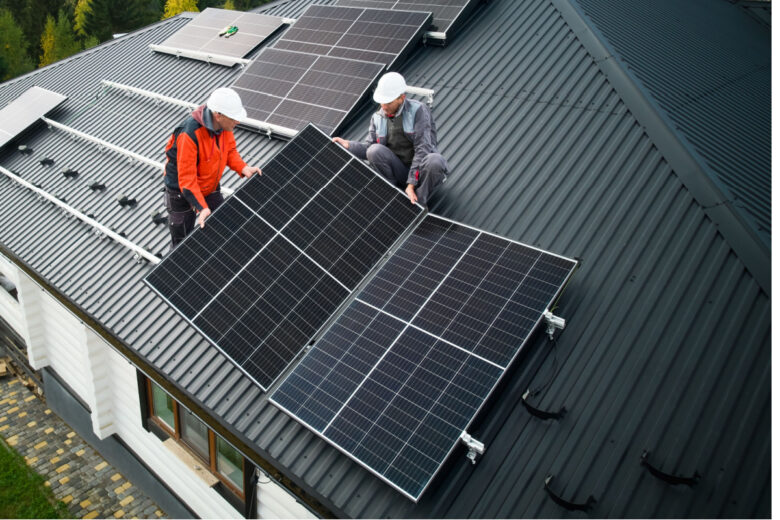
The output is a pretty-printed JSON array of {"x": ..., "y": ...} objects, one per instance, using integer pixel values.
[
  {"x": 474, "y": 446},
  {"x": 553, "y": 322}
]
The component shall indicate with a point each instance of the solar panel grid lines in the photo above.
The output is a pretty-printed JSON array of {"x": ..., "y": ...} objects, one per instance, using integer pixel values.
[
  {"x": 445, "y": 12},
  {"x": 415, "y": 321},
  {"x": 25, "y": 110},
  {"x": 373, "y": 35},
  {"x": 251, "y": 281},
  {"x": 291, "y": 89},
  {"x": 202, "y": 33}
]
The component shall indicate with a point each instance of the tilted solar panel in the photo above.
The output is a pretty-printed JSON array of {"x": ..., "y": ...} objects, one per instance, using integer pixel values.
[
  {"x": 397, "y": 379},
  {"x": 445, "y": 12},
  {"x": 209, "y": 32},
  {"x": 23, "y": 111},
  {"x": 280, "y": 256},
  {"x": 291, "y": 89},
  {"x": 373, "y": 35}
]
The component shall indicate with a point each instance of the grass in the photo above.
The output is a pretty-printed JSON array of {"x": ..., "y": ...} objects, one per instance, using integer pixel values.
[{"x": 22, "y": 491}]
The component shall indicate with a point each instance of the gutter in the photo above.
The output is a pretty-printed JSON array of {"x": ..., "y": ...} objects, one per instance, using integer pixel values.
[{"x": 260, "y": 460}]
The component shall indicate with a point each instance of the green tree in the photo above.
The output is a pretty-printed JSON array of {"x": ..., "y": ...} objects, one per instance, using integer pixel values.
[
  {"x": 229, "y": 4},
  {"x": 174, "y": 7},
  {"x": 13, "y": 47},
  {"x": 58, "y": 40},
  {"x": 104, "y": 18}
]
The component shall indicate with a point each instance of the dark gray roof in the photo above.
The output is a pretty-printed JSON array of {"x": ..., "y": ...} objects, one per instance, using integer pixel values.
[{"x": 667, "y": 345}]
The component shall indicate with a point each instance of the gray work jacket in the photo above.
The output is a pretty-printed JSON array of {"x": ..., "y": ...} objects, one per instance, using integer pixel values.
[{"x": 418, "y": 126}]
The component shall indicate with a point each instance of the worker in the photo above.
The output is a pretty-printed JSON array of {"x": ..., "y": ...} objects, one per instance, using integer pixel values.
[
  {"x": 197, "y": 153},
  {"x": 401, "y": 142}
]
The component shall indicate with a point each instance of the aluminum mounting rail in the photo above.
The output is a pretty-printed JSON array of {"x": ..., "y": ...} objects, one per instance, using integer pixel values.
[
  {"x": 138, "y": 250},
  {"x": 208, "y": 57}
]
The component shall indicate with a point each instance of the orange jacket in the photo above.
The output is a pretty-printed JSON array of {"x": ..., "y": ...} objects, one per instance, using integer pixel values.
[{"x": 197, "y": 156}]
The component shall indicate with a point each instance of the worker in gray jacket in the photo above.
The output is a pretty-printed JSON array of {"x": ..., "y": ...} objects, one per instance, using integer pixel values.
[{"x": 401, "y": 142}]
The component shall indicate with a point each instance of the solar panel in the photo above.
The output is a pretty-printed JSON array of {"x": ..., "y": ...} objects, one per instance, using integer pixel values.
[
  {"x": 445, "y": 12},
  {"x": 291, "y": 89},
  {"x": 374, "y": 35},
  {"x": 203, "y": 32},
  {"x": 22, "y": 112},
  {"x": 397, "y": 379},
  {"x": 280, "y": 256}
]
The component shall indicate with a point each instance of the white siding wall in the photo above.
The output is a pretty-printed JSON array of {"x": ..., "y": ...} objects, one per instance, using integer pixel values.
[
  {"x": 107, "y": 382},
  {"x": 10, "y": 309}
]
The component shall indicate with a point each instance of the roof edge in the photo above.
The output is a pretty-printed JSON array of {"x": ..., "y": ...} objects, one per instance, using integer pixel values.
[
  {"x": 686, "y": 163},
  {"x": 189, "y": 401}
]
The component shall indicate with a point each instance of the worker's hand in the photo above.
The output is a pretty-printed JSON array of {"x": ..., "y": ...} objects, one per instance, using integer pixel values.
[
  {"x": 342, "y": 142},
  {"x": 204, "y": 213},
  {"x": 248, "y": 171},
  {"x": 410, "y": 192}
]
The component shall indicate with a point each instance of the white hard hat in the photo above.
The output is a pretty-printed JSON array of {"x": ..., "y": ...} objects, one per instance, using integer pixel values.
[
  {"x": 390, "y": 86},
  {"x": 227, "y": 102}
]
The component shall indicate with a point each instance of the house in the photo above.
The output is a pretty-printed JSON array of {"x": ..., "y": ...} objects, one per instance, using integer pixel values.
[{"x": 633, "y": 136}]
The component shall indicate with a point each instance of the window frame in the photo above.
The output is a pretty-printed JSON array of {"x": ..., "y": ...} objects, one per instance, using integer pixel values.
[{"x": 175, "y": 434}]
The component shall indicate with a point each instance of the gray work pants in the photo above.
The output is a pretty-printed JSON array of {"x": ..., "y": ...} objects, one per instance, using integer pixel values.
[{"x": 433, "y": 170}]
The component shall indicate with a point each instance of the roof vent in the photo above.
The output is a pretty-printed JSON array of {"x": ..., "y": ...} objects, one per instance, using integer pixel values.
[
  {"x": 47, "y": 162},
  {"x": 123, "y": 201},
  {"x": 158, "y": 217},
  {"x": 70, "y": 174},
  {"x": 97, "y": 186},
  {"x": 25, "y": 150}
]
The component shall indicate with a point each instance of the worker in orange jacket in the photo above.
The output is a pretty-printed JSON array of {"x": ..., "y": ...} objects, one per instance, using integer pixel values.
[{"x": 197, "y": 152}]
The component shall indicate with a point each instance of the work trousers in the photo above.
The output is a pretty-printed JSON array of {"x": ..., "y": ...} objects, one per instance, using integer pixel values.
[
  {"x": 181, "y": 216},
  {"x": 433, "y": 170}
]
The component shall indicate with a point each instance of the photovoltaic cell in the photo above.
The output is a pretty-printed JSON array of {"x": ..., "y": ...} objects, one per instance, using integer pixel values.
[
  {"x": 202, "y": 33},
  {"x": 291, "y": 89},
  {"x": 445, "y": 12},
  {"x": 401, "y": 374},
  {"x": 372, "y": 35},
  {"x": 280, "y": 256},
  {"x": 22, "y": 112}
]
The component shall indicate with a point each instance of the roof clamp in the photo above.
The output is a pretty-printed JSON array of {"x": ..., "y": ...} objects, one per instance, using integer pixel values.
[
  {"x": 474, "y": 446},
  {"x": 553, "y": 322}
]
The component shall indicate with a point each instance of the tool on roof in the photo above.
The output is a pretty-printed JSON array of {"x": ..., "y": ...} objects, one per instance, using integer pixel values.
[{"x": 229, "y": 31}]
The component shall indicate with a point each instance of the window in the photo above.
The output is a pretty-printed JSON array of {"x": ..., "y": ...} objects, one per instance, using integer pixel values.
[
  {"x": 173, "y": 420},
  {"x": 9, "y": 286}
]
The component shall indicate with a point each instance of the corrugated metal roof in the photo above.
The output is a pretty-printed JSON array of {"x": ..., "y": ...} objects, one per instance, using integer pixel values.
[
  {"x": 667, "y": 345},
  {"x": 712, "y": 78}
]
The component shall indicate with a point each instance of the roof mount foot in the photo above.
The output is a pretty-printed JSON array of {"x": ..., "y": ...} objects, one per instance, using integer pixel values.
[
  {"x": 553, "y": 323},
  {"x": 475, "y": 447}
]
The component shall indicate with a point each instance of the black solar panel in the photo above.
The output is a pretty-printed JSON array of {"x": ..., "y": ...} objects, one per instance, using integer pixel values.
[
  {"x": 372, "y": 35},
  {"x": 291, "y": 89},
  {"x": 401, "y": 374},
  {"x": 280, "y": 256},
  {"x": 445, "y": 12},
  {"x": 203, "y": 32},
  {"x": 23, "y": 111}
]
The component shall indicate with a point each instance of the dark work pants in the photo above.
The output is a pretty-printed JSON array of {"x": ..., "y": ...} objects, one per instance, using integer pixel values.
[
  {"x": 181, "y": 216},
  {"x": 433, "y": 170}
]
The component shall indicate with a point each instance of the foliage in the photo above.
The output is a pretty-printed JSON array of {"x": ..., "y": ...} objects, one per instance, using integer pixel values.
[
  {"x": 229, "y": 4},
  {"x": 22, "y": 491},
  {"x": 13, "y": 47},
  {"x": 174, "y": 7},
  {"x": 58, "y": 40},
  {"x": 104, "y": 18}
]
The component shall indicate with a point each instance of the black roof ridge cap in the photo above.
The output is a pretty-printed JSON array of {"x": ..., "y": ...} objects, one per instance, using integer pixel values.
[
  {"x": 692, "y": 170},
  {"x": 91, "y": 50}
]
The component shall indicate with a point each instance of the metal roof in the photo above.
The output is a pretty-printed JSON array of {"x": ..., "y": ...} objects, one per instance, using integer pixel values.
[{"x": 667, "y": 344}]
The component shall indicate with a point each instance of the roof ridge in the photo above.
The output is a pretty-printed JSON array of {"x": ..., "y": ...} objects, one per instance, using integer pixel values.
[{"x": 715, "y": 199}]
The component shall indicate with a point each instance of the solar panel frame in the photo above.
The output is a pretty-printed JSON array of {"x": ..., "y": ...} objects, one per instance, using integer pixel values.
[
  {"x": 292, "y": 89},
  {"x": 447, "y": 14},
  {"x": 261, "y": 226},
  {"x": 201, "y": 33},
  {"x": 374, "y": 35},
  {"x": 22, "y": 112},
  {"x": 288, "y": 395}
]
